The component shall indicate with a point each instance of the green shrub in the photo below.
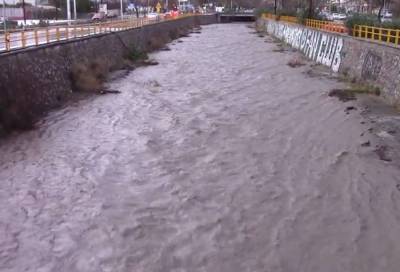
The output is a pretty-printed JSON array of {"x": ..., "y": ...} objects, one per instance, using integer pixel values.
[
  {"x": 360, "y": 19},
  {"x": 43, "y": 23},
  {"x": 394, "y": 24},
  {"x": 9, "y": 24},
  {"x": 284, "y": 12},
  {"x": 260, "y": 11},
  {"x": 369, "y": 20},
  {"x": 304, "y": 14},
  {"x": 137, "y": 55}
]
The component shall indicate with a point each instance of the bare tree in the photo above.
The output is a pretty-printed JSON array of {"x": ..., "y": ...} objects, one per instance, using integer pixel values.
[{"x": 395, "y": 6}]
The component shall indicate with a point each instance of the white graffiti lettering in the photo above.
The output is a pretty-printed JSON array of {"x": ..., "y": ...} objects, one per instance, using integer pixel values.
[{"x": 319, "y": 46}]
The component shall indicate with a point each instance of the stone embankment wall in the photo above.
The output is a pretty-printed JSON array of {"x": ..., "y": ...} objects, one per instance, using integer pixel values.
[
  {"x": 367, "y": 61},
  {"x": 36, "y": 79}
]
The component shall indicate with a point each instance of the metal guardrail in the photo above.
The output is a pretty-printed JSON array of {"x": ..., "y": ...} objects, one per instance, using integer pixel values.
[
  {"x": 289, "y": 19},
  {"x": 285, "y": 18},
  {"x": 318, "y": 24},
  {"x": 269, "y": 16},
  {"x": 19, "y": 39},
  {"x": 326, "y": 25},
  {"x": 386, "y": 35}
]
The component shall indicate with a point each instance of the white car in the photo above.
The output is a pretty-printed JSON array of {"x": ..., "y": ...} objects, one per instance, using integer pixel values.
[
  {"x": 153, "y": 16},
  {"x": 219, "y": 9},
  {"x": 386, "y": 16},
  {"x": 338, "y": 16}
]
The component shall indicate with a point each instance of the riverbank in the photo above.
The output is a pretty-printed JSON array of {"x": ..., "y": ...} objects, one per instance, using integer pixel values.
[
  {"x": 375, "y": 63},
  {"x": 381, "y": 119},
  {"x": 38, "y": 79}
]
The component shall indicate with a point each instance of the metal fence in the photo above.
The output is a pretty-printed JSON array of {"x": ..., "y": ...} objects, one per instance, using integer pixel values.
[
  {"x": 289, "y": 19},
  {"x": 269, "y": 16},
  {"x": 18, "y": 39},
  {"x": 386, "y": 35},
  {"x": 326, "y": 25}
]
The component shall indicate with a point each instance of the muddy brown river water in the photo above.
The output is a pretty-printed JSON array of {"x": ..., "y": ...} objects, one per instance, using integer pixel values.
[{"x": 221, "y": 158}]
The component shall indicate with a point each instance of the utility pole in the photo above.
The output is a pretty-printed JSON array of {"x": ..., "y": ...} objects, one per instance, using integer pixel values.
[
  {"x": 69, "y": 12},
  {"x": 122, "y": 10},
  {"x": 75, "y": 11},
  {"x": 275, "y": 7},
  {"x": 4, "y": 18},
  {"x": 23, "y": 11}
]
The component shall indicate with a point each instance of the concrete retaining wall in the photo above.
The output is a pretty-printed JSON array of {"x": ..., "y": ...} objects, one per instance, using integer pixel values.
[
  {"x": 373, "y": 62},
  {"x": 34, "y": 80}
]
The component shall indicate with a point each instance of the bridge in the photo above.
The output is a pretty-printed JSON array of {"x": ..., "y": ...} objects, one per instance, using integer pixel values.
[{"x": 229, "y": 17}]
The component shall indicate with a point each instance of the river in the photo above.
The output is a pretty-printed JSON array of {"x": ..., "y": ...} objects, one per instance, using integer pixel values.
[{"x": 221, "y": 158}]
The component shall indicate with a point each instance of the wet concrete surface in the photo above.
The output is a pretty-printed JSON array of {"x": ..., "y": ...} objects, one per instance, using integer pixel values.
[{"x": 220, "y": 158}]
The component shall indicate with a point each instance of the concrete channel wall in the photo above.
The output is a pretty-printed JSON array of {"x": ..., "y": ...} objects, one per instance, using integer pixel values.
[
  {"x": 367, "y": 61},
  {"x": 37, "y": 79}
]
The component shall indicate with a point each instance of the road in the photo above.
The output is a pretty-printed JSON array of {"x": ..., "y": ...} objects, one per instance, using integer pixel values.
[{"x": 221, "y": 158}]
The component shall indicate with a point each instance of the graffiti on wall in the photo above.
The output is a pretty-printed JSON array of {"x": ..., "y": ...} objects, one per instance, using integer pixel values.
[
  {"x": 318, "y": 46},
  {"x": 371, "y": 66}
]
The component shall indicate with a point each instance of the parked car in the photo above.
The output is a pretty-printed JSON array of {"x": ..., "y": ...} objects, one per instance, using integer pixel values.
[
  {"x": 153, "y": 15},
  {"x": 99, "y": 16},
  {"x": 386, "y": 16},
  {"x": 339, "y": 16},
  {"x": 167, "y": 15},
  {"x": 112, "y": 13},
  {"x": 249, "y": 11},
  {"x": 219, "y": 9},
  {"x": 324, "y": 15}
]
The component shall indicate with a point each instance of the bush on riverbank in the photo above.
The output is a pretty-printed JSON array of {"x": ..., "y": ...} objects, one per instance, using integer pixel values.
[
  {"x": 286, "y": 13},
  {"x": 369, "y": 20},
  {"x": 260, "y": 11},
  {"x": 89, "y": 77},
  {"x": 137, "y": 55},
  {"x": 302, "y": 15},
  {"x": 359, "y": 19}
]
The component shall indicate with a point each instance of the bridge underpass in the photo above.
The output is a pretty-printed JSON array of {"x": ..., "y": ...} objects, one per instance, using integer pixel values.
[{"x": 236, "y": 17}]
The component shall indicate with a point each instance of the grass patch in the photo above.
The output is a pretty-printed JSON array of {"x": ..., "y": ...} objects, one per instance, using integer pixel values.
[
  {"x": 137, "y": 55},
  {"x": 354, "y": 89},
  {"x": 362, "y": 88}
]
